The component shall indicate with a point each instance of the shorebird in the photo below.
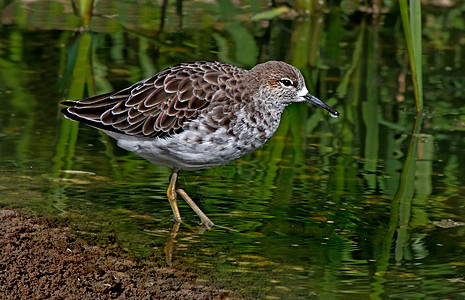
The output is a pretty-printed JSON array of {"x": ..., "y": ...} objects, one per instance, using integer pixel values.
[{"x": 196, "y": 115}]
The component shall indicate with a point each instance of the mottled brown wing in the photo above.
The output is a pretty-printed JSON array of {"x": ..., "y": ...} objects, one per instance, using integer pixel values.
[{"x": 158, "y": 106}]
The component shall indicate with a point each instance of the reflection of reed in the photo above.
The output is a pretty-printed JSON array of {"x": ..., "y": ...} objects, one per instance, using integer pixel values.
[
  {"x": 79, "y": 75},
  {"x": 401, "y": 209},
  {"x": 403, "y": 199},
  {"x": 12, "y": 77},
  {"x": 370, "y": 108}
]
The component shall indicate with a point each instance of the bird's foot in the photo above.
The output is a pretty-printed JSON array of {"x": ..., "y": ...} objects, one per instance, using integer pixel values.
[{"x": 207, "y": 223}]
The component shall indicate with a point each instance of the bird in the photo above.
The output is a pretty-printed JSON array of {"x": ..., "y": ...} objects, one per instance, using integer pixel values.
[{"x": 196, "y": 115}]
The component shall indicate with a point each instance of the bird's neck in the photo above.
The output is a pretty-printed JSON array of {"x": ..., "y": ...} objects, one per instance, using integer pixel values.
[{"x": 258, "y": 121}]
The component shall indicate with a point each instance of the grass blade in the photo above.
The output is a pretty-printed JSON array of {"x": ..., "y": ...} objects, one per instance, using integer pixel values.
[{"x": 411, "y": 21}]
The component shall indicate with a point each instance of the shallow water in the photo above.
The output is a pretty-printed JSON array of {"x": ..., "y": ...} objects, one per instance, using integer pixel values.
[{"x": 370, "y": 204}]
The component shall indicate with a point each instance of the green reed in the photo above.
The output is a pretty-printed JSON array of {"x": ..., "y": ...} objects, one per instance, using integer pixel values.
[
  {"x": 411, "y": 20},
  {"x": 85, "y": 10}
]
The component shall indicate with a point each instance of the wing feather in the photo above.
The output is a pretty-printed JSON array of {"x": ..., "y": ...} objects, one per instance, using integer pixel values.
[{"x": 158, "y": 106}]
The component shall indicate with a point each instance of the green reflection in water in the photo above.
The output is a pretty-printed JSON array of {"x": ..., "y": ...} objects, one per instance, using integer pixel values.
[{"x": 367, "y": 205}]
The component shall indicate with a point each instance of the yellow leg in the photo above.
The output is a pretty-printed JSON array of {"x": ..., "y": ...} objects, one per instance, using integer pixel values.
[
  {"x": 203, "y": 217},
  {"x": 171, "y": 193}
]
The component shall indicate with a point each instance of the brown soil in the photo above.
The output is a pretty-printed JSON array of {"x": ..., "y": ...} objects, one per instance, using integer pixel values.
[{"x": 39, "y": 261}]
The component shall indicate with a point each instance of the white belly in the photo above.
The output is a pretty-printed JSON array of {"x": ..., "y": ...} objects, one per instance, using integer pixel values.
[{"x": 187, "y": 151}]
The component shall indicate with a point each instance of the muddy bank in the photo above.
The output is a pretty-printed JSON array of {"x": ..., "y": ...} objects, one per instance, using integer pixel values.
[{"x": 38, "y": 260}]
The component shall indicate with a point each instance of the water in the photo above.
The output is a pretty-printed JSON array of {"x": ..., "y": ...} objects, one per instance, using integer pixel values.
[{"x": 370, "y": 204}]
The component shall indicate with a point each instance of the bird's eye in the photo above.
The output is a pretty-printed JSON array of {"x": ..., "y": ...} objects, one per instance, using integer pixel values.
[{"x": 286, "y": 81}]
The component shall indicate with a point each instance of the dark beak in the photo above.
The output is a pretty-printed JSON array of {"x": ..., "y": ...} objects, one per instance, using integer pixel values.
[{"x": 317, "y": 102}]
